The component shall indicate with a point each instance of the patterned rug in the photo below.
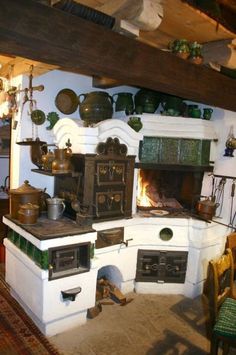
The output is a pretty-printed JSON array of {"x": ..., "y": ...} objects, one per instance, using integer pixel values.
[{"x": 18, "y": 334}]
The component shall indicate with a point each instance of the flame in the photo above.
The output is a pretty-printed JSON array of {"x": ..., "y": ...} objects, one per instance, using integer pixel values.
[{"x": 142, "y": 198}]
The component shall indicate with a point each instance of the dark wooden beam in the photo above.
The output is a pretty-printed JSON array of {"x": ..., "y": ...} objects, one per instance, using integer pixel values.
[
  {"x": 38, "y": 32},
  {"x": 105, "y": 83}
]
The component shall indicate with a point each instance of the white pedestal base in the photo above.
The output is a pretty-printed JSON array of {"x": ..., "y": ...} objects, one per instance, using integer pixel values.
[{"x": 57, "y": 325}]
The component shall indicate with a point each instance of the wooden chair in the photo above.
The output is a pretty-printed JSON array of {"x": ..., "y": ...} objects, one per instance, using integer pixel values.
[
  {"x": 221, "y": 305},
  {"x": 231, "y": 243}
]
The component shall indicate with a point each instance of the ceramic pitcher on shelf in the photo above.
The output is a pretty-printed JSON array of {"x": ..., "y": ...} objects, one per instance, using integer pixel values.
[
  {"x": 123, "y": 100},
  {"x": 95, "y": 106},
  {"x": 172, "y": 102},
  {"x": 147, "y": 100},
  {"x": 207, "y": 112}
]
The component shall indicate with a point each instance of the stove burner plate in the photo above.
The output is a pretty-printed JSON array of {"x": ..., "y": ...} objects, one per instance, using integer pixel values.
[{"x": 159, "y": 212}]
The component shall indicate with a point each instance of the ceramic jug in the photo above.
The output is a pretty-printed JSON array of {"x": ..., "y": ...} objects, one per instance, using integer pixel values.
[
  {"x": 207, "y": 112},
  {"x": 172, "y": 102},
  {"x": 190, "y": 108},
  {"x": 196, "y": 113},
  {"x": 95, "y": 107},
  {"x": 123, "y": 100},
  {"x": 55, "y": 208},
  {"x": 149, "y": 100},
  {"x": 135, "y": 123}
]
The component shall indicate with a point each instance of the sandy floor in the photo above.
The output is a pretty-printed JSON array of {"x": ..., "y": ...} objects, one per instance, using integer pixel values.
[{"x": 150, "y": 324}]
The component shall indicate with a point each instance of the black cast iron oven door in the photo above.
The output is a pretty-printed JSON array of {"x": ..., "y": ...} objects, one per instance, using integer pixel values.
[
  {"x": 69, "y": 260},
  {"x": 161, "y": 266}
]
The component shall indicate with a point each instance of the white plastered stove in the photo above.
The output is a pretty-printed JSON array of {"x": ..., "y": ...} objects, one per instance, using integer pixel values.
[{"x": 42, "y": 298}]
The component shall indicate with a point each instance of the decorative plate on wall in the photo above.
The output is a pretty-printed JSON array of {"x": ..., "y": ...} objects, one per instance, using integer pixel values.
[
  {"x": 38, "y": 117},
  {"x": 67, "y": 101}
]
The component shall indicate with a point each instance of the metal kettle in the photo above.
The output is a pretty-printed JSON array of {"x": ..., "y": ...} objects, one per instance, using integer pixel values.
[{"x": 206, "y": 208}]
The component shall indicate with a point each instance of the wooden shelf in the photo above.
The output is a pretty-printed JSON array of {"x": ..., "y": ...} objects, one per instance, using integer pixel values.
[{"x": 49, "y": 172}]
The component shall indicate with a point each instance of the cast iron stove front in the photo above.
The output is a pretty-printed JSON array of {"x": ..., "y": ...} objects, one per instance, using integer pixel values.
[
  {"x": 161, "y": 266},
  {"x": 101, "y": 184}
]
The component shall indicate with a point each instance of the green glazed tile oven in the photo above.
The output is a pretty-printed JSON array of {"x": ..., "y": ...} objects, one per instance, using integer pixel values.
[{"x": 178, "y": 151}]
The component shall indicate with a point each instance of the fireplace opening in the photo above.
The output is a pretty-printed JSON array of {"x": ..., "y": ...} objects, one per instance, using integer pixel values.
[
  {"x": 168, "y": 189},
  {"x": 111, "y": 273}
]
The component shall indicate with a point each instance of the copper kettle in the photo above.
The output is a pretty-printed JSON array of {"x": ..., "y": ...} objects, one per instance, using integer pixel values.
[{"x": 207, "y": 208}]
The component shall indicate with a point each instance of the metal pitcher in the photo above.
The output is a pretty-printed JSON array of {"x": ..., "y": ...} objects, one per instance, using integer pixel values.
[{"x": 55, "y": 208}]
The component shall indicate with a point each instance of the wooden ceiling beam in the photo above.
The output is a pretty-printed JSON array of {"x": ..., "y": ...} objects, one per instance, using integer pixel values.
[
  {"x": 19, "y": 66},
  {"x": 231, "y": 4},
  {"x": 42, "y": 33}
]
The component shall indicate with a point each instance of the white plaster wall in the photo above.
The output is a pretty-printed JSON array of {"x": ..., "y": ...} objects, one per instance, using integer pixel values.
[
  {"x": 225, "y": 166},
  {"x": 4, "y": 169}
]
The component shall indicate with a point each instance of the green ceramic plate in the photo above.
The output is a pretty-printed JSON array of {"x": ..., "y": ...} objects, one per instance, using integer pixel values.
[{"x": 38, "y": 117}]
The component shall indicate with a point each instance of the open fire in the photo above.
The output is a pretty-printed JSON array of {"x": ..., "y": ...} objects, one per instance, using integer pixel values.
[
  {"x": 158, "y": 189},
  {"x": 142, "y": 199}
]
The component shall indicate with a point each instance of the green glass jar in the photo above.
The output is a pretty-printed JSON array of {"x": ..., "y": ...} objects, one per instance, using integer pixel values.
[{"x": 135, "y": 123}]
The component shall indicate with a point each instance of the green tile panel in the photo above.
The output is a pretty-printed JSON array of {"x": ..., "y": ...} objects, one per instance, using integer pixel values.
[
  {"x": 40, "y": 257},
  {"x": 182, "y": 151}
]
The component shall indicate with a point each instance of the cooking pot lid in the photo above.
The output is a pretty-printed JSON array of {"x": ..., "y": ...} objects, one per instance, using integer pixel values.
[{"x": 26, "y": 188}]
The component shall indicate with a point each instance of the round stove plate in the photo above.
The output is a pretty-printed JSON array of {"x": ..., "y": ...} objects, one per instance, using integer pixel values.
[{"x": 159, "y": 212}]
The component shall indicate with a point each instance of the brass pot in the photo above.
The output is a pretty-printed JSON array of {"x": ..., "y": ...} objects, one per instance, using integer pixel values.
[
  {"x": 28, "y": 213},
  {"x": 61, "y": 164},
  {"x": 206, "y": 208},
  {"x": 22, "y": 195}
]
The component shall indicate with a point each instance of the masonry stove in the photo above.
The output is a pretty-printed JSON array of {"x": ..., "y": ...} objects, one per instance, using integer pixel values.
[{"x": 133, "y": 250}]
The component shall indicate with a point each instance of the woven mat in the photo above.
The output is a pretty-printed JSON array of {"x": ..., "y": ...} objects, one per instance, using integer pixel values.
[{"x": 18, "y": 334}]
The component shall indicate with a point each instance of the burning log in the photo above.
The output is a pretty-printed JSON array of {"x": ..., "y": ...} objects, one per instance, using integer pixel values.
[{"x": 159, "y": 199}]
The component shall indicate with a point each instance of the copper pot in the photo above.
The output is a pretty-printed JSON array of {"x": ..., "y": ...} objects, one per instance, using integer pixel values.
[
  {"x": 22, "y": 195},
  {"x": 206, "y": 208},
  {"x": 61, "y": 164},
  {"x": 28, "y": 213}
]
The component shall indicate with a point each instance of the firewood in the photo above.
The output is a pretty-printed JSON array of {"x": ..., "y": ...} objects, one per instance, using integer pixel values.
[
  {"x": 117, "y": 295},
  {"x": 99, "y": 295},
  {"x": 106, "y": 303},
  {"x": 94, "y": 311},
  {"x": 128, "y": 300}
]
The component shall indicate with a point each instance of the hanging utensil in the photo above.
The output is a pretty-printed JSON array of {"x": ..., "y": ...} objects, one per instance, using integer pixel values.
[
  {"x": 219, "y": 195},
  {"x": 231, "y": 220},
  {"x": 213, "y": 188}
]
